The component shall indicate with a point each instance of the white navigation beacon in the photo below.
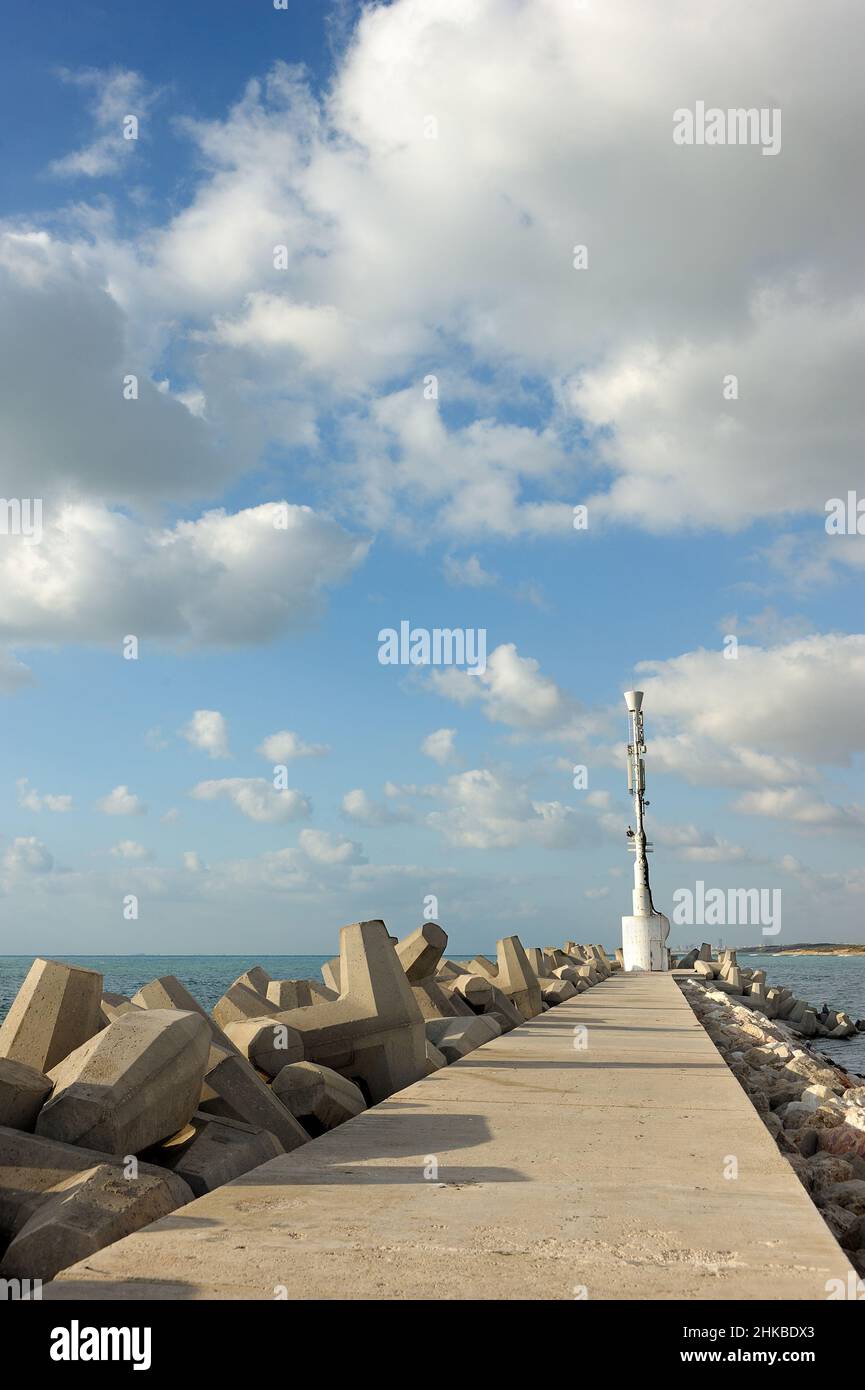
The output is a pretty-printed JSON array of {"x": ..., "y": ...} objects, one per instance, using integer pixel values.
[{"x": 645, "y": 932}]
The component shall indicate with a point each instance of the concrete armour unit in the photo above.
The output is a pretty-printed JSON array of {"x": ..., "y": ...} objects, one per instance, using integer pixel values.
[
  {"x": 420, "y": 952},
  {"x": 114, "y": 1006},
  {"x": 167, "y": 992},
  {"x": 435, "y": 1059},
  {"x": 57, "y": 1008},
  {"x": 475, "y": 990},
  {"x": 556, "y": 991},
  {"x": 503, "y": 1010},
  {"x": 457, "y": 1037},
  {"x": 233, "y": 1090},
  {"x": 330, "y": 973},
  {"x": 256, "y": 979},
  {"x": 268, "y": 1043},
  {"x": 86, "y": 1212},
  {"x": 289, "y": 994},
  {"x": 434, "y": 1001},
  {"x": 538, "y": 961},
  {"x": 516, "y": 978},
  {"x": 373, "y": 1033},
  {"x": 318, "y": 1096},
  {"x": 32, "y": 1167},
  {"x": 705, "y": 968},
  {"x": 239, "y": 1002},
  {"x": 23, "y": 1091},
  {"x": 210, "y": 1151},
  {"x": 134, "y": 1083}
]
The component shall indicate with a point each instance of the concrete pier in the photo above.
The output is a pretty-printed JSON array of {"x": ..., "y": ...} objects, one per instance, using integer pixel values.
[{"x": 554, "y": 1171}]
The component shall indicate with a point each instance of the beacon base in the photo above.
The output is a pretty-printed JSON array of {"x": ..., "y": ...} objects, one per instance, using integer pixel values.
[{"x": 644, "y": 942}]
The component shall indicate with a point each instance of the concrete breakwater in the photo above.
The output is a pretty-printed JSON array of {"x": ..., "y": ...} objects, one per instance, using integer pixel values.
[
  {"x": 813, "y": 1108},
  {"x": 583, "y": 1154},
  {"x": 115, "y": 1112}
]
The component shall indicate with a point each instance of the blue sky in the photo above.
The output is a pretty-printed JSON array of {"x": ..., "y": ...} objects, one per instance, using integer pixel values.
[{"x": 428, "y": 168}]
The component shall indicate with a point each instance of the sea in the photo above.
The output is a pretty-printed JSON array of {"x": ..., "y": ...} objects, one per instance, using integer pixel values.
[{"x": 838, "y": 981}]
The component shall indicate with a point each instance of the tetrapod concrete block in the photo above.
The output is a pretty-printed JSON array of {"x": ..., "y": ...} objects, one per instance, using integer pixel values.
[
  {"x": 57, "y": 1008},
  {"x": 134, "y": 1083},
  {"x": 233, "y": 1090},
  {"x": 373, "y": 1033}
]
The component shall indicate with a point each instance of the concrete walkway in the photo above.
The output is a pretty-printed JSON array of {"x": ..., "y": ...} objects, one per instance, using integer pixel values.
[{"x": 559, "y": 1170}]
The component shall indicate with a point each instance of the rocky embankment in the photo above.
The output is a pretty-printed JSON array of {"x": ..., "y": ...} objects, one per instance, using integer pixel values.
[
  {"x": 814, "y": 1109},
  {"x": 114, "y": 1112},
  {"x": 751, "y": 988}
]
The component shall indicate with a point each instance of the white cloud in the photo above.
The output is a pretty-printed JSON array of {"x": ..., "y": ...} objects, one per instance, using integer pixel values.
[
  {"x": 24, "y": 857},
  {"x": 121, "y": 802},
  {"x": 256, "y": 798},
  {"x": 468, "y": 573},
  {"x": 222, "y": 579},
  {"x": 323, "y": 848},
  {"x": 439, "y": 745},
  {"x": 802, "y": 700},
  {"x": 170, "y": 816},
  {"x": 797, "y": 362},
  {"x": 801, "y": 809},
  {"x": 360, "y": 807},
  {"x": 511, "y": 690},
  {"x": 489, "y": 810},
  {"x": 208, "y": 730},
  {"x": 117, "y": 93},
  {"x": 529, "y": 106},
  {"x": 32, "y": 800},
  {"x": 131, "y": 850},
  {"x": 285, "y": 745}
]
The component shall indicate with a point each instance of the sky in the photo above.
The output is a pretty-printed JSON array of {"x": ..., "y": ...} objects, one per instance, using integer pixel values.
[{"x": 322, "y": 319}]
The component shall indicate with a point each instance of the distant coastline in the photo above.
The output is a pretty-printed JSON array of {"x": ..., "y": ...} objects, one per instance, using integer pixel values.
[{"x": 820, "y": 948}]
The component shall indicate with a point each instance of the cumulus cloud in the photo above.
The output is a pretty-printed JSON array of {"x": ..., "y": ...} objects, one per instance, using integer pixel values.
[
  {"x": 511, "y": 690},
  {"x": 121, "y": 802},
  {"x": 801, "y": 808},
  {"x": 797, "y": 362},
  {"x": 362, "y": 808},
  {"x": 130, "y": 850},
  {"x": 24, "y": 857},
  {"x": 256, "y": 798},
  {"x": 468, "y": 572},
  {"x": 532, "y": 101},
  {"x": 208, "y": 730},
  {"x": 285, "y": 745},
  {"x": 323, "y": 848},
  {"x": 33, "y": 800},
  {"x": 489, "y": 810},
  {"x": 223, "y": 579},
  {"x": 439, "y": 745},
  {"x": 802, "y": 700}
]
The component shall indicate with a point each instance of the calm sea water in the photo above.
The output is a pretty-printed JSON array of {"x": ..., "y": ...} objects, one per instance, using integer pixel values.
[
  {"x": 206, "y": 977},
  {"x": 838, "y": 981}
]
